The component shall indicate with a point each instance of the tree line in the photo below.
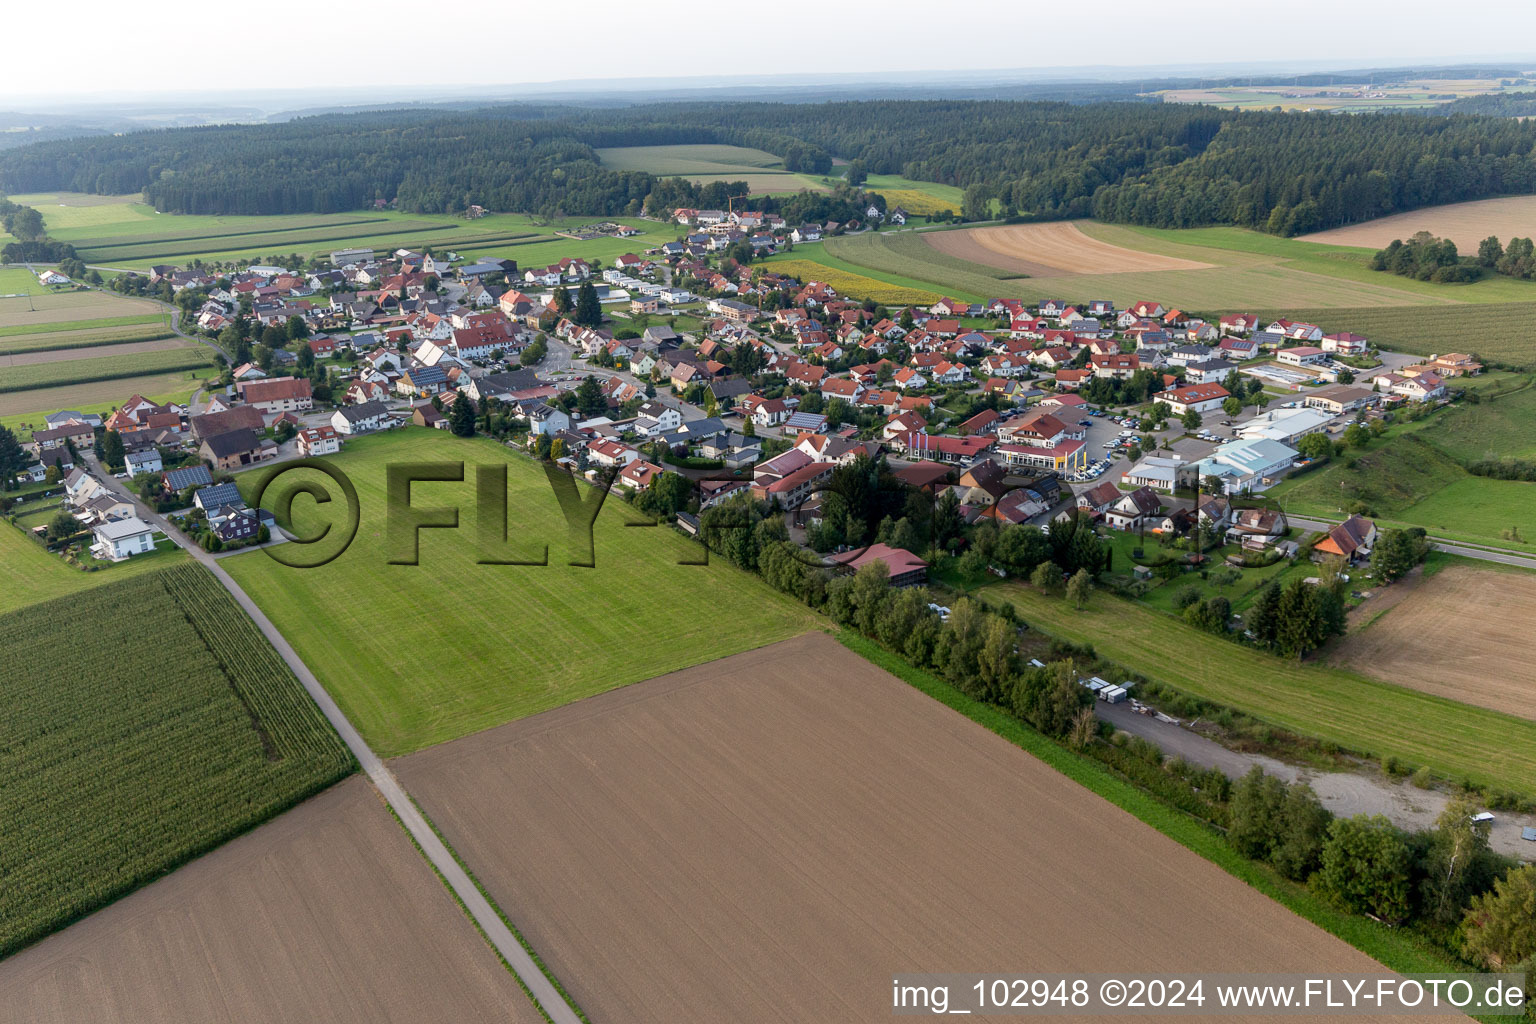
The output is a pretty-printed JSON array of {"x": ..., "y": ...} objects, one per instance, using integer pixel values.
[{"x": 1166, "y": 165}]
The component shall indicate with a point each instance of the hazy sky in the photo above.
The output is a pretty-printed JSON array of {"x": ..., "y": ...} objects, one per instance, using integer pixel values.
[{"x": 132, "y": 50}]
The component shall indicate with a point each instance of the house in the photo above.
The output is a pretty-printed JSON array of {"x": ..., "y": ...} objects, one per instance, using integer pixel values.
[
  {"x": 1097, "y": 500},
  {"x": 143, "y": 462},
  {"x": 422, "y": 382},
  {"x": 236, "y": 524},
  {"x": 359, "y": 419},
  {"x": 1040, "y": 440},
  {"x": 1118, "y": 366},
  {"x": 1338, "y": 399},
  {"x": 277, "y": 395},
  {"x": 321, "y": 440},
  {"x": 984, "y": 422},
  {"x": 176, "y": 480},
  {"x": 546, "y": 419},
  {"x": 1301, "y": 355},
  {"x": 904, "y": 568},
  {"x": 107, "y": 506},
  {"x": 1239, "y": 323},
  {"x": 607, "y": 452},
  {"x": 790, "y": 490},
  {"x": 1157, "y": 472},
  {"x": 1208, "y": 372},
  {"x": 1133, "y": 511},
  {"x": 1247, "y": 466},
  {"x": 231, "y": 449},
  {"x": 805, "y": 423},
  {"x": 1257, "y": 528},
  {"x": 117, "y": 539},
  {"x": 639, "y": 474},
  {"x": 80, "y": 487},
  {"x": 1351, "y": 540},
  {"x": 1239, "y": 349},
  {"x": 1345, "y": 344},
  {"x": 982, "y": 484},
  {"x": 1216, "y": 510},
  {"x": 424, "y": 414},
  {"x": 1455, "y": 364},
  {"x": 242, "y": 417},
  {"x": 1200, "y": 398},
  {"x": 80, "y": 434},
  {"x": 1425, "y": 387}
]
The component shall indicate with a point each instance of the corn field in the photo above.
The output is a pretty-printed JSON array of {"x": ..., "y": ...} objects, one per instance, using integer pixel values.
[{"x": 142, "y": 723}]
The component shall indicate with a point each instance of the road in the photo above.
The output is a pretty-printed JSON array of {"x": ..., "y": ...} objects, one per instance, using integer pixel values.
[
  {"x": 1347, "y": 794},
  {"x": 1449, "y": 547},
  {"x": 479, "y": 908}
]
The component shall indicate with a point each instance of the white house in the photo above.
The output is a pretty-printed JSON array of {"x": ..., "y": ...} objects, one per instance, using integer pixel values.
[
  {"x": 80, "y": 487},
  {"x": 358, "y": 419},
  {"x": 1199, "y": 397},
  {"x": 1301, "y": 355},
  {"x": 118, "y": 539},
  {"x": 143, "y": 462}
]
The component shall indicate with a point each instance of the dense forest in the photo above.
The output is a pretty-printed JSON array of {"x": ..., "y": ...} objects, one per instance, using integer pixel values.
[
  {"x": 1167, "y": 165},
  {"x": 1509, "y": 104}
]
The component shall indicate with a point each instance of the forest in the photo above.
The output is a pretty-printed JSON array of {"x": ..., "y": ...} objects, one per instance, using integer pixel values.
[{"x": 1165, "y": 165}]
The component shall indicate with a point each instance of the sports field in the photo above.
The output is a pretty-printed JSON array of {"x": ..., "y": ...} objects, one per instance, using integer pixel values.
[
  {"x": 325, "y": 914},
  {"x": 794, "y": 825},
  {"x": 1463, "y": 633},
  {"x": 1361, "y": 714},
  {"x": 418, "y": 654},
  {"x": 1466, "y": 224},
  {"x": 162, "y": 725}
]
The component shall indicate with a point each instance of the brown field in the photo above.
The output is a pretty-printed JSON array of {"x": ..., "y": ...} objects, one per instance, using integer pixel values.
[
  {"x": 57, "y": 307},
  {"x": 1463, "y": 633},
  {"x": 326, "y": 914},
  {"x": 1466, "y": 224},
  {"x": 765, "y": 182},
  {"x": 59, "y": 355},
  {"x": 1057, "y": 249},
  {"x": 770, "y": 836}
]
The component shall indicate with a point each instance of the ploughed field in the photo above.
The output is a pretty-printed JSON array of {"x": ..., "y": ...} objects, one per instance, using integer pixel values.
[
  {"x": 327, "y": 913},
  {"x": 770, "y": 836},
  {"x": 1056, "y": 249},
  {"x": 1466, "y": 224}
]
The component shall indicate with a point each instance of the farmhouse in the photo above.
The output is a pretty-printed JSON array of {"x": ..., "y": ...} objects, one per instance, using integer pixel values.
[
  {"x": 232, "y": 448},
  {"x": 277, "y": 395}
]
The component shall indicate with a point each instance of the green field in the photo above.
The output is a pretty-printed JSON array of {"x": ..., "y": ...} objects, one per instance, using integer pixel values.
[
  {"x": 828, "y": 256},
  {"x": 1358, "y": 713},
  {"x": 20, "y": 281},
  {"x": 420, "y": 654},
  {"x": 146, "y": 722},
  {"x": 32, "y": 574},
  {"x": 86, "y": 371},
  {"x": 906, "y": 256},
  {"x": 26, "y": 409},
  {"x": 98, "y": 324},
  {"x": 53, "y": 341},
  {"x": 704, "y": 162},
  {"x": 1497, "y": 332}
]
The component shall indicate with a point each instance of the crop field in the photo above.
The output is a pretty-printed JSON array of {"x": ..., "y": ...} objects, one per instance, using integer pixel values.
[
  {"x": 855, "y": 285},
  {"x": 82, "y": 326},
  {"x": 688, "y": 160},
  {"x": 80, "y": 338},
  {"x": 1466, "y": 224},
  {"x": 74, "y": 353},
  {"x": 325, "y": 914},
  {"x": 725, "y": 879},
  {"x": 32, "y": 311},
  {"x": 469, "y": 646},
  {"x": 31, "y": 574},
  {"x": 135, "y": 742},
  {"x": 1496, "y": 332},
  {"x": 907, "y": 255},
  {"x": 94, "y": 368},
  {"x": 1463, "y": 633},
  {"x": 1055, "y": 249},
  {"x": 28, "y": 407},
  {"x": 924, "y": 198},
  {"x": 1361, "y": 714},
  {"x": 286, "y": 240}
]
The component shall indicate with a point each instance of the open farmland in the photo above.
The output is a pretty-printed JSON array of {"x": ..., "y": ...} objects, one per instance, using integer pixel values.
[
  {"x": 1361, "y": 714},
  {"x": 31, "y": 311},
  {"x": 725, "y": 879},
  {"x": 1056, "y": 249},
  {"x": 79, "y": 337},
  {"x": 126, "y": 756},
  {"x": 704, "y": 162},
  {"x": 468, "y": 646},
  {"x": 1497, "y": 332},
  {"x": 855, "y": 285},
  {"x": 1466, "y": 224},
  {"x": 325, "y": 914},
  {"x": 28, "y": 407},
  {"x": 1463, "y": 633},
  {"x": 82, "y": 326},
  {"x": 93, "y": 367},
  {"x": 72, "y": 354}
]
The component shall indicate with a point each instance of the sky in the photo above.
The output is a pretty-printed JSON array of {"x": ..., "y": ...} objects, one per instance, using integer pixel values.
[{"x": 107, "y": 48}]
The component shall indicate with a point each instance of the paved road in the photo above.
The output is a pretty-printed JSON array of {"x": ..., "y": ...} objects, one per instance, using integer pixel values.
[
  {"x": 500, "y": 936},
  {"x": 1449, "y": 547}
]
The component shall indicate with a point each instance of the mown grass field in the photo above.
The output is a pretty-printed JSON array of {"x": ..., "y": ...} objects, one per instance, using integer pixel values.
[
  {"x": 145, "y": 722},
  {"x": 96, "y": 324},
  {"x": 85, "y": 371},
  {"x": 49, "y": 341},
  {"x": 20, "y": 281},
  {"x": 32, "y": 574},
  {"x": 419, "y": 654},
  {"x": 1358, "y": 713},
  {"x": 705, "y": 162},
  {"x": 27, "y": 408},
  {"x": 858, "y": 286}
]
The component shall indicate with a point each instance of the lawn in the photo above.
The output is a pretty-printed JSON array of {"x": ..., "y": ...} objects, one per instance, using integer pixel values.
[
  {"x": 149, "y": 722},
  {"x": 420, "y": 654},
  {"x": 1497, "y": 512},
  {"x": 1360, "y": 714},
  {"x": 20, "y": 281},
  {"x": 33, "y": 575}
]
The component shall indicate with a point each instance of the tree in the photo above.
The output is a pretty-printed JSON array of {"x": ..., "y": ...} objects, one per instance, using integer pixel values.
[
  {"x": 1489, "y": 252},
  {"x": 590, "y": 399},
  {"x": 13, "y": 460},
  {"x": 1500, "y": 926},
  {"x": 1346, "y": 376},
  {"x": 1397, "y": 552},
  {"x": 461, "y": 417},
  {"x": 1232, "y": 406},
  {"x": 541, "y": 447},
  {"x": 112, "y": 451},
  {"x": 1254, "y": 812},
  {"x": 667, "y": 495},
  {"x": 1191, "y": 420},
  {"x": 1263, "y": 618},
  {"x": 1315, "y": 447},
  {"x": 1224, "y": 576},
  {"x": 1302, "y": 829},
  {"x": 1458, "y": 848},
  {"x": 1356, "y": 435},
  {"x": 588, "y": 312},
  {"x": 297, "y": 328},
  {"x": 63, "y": 525},
  {"x": 1046, "y": 577},
  {"x": 1366, "y": 867},
  {"x": 1080, "y": 588},
  {"x": 562, "y": 300}
]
